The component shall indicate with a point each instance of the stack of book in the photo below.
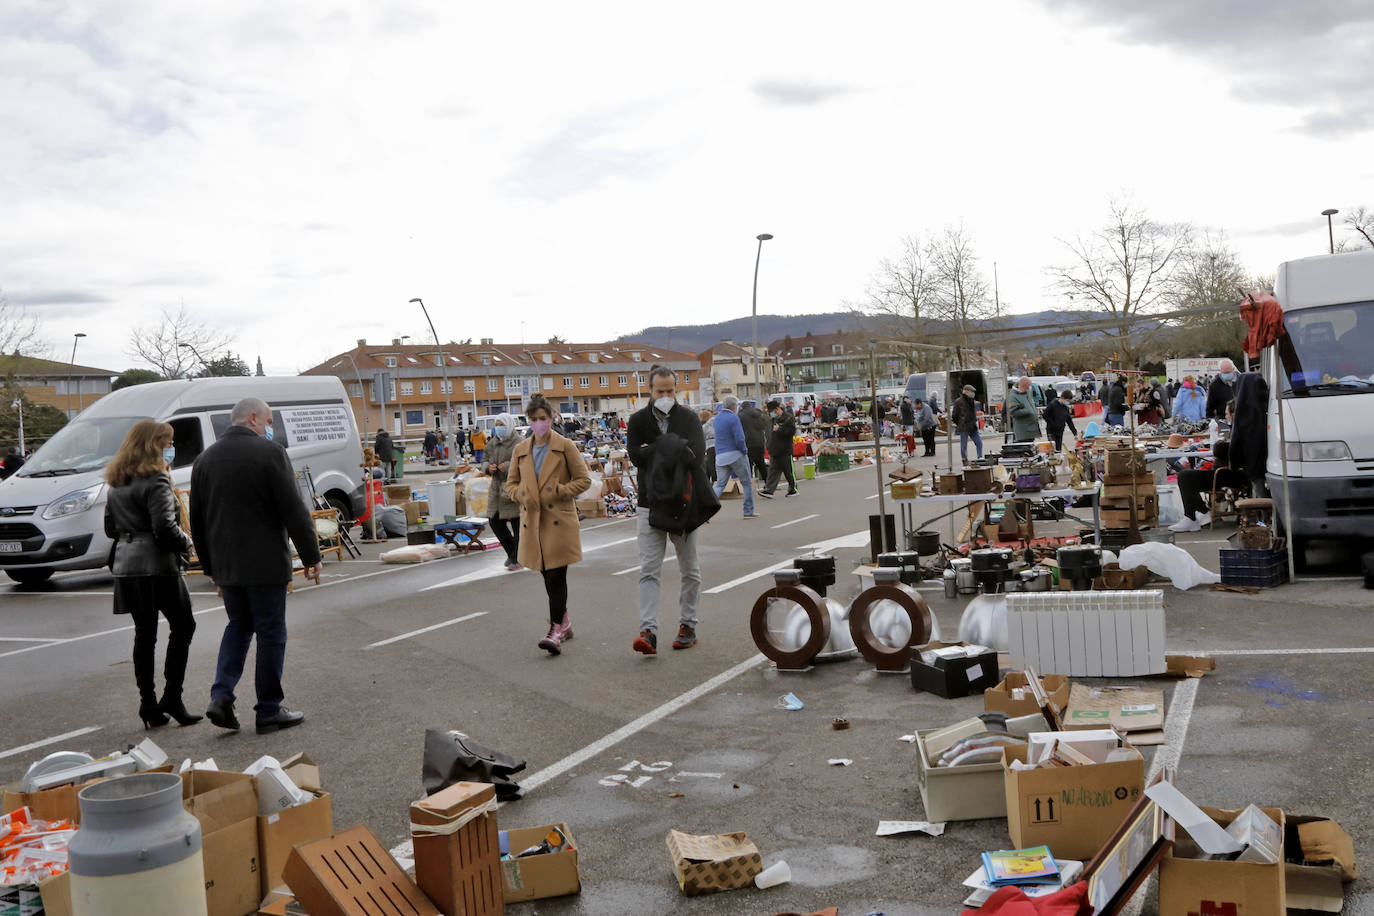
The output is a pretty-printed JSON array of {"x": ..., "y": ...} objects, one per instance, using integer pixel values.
[{"x": 1034, "y": 870}]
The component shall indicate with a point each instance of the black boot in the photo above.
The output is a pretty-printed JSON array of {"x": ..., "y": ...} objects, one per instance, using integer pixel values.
[
  {"x": 151, "y": 712},
  {"x": 174, "y": 707}
]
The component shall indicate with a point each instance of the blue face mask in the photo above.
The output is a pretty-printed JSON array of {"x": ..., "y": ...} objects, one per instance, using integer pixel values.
[
  {"x": 267, "y": 434},
  {"x": 1229, "y": 376},
  {"x": 168, "y": 454},
  {"x": 499, "y": 432}
]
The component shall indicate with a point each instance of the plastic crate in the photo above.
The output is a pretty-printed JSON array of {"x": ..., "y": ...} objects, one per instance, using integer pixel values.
[
  {"x": 1259, "y": 568},
  {"x": 832, "y": 462}
]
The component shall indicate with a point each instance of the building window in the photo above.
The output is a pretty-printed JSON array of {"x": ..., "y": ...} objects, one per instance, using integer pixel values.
[
  {"x": 391, "y": 362},
  {"x": 605, "y": 381},
  {"x": 548, "y": 358},
  {"x": 635, "y": 356},
  {"x": 584, "y": 381},
  {"x": 415, "y": 418},
  {"x": 469, "y": 386},
  {"x": 686, "y": 378},
  {"x": 548, "y": 383},
  {"x": 567, "y": 381},
  {"x": 836, "y": 349},
  {"x": 594, "y": 357},
  {"x": 446, "y": 386},
  {"x": 355, "y": 389},
  {"x": 426, "y": 387},
  {"x": 486, "y": 360},
  {"x": 837, "y": 370},
  {"x": 639, "y": 378},
  {"x": 493, "y": 384},
  {"x": 407, "y": 389},
  {"x": 622, "y": 380}
]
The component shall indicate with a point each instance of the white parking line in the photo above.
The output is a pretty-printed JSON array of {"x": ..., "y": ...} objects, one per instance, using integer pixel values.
[
  {"x": 53, "y": 740},
  {"x": 857, "y": 539},
  {"x": 28, "y": 639},
  {"x": 614, "y": 521},
  {"x": 501, "y": 570},
  {"x": 428, "y": 629},
  {"x": 1352, "y": 650},
  {"x": 795, "y": 520}
]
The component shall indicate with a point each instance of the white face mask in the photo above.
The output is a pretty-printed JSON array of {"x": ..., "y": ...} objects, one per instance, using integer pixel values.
[{"x": 664, "y": 404}]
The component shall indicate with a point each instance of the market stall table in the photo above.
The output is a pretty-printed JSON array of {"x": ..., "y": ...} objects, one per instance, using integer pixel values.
[{"x": 905, "y": 506}]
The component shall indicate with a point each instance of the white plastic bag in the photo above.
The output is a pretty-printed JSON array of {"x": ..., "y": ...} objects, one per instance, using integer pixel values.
[
  {"x": 1168, "y": 560},
  {"x": 477, "y": 490},
  {"x": 595, "y": 490}
]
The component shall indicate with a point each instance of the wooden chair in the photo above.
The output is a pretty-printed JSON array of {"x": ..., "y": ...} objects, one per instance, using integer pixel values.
[
  {"x": 184, "y": 519},
  {"x": 329, "y": 543},
  {"x": 1226, "y": 493}
]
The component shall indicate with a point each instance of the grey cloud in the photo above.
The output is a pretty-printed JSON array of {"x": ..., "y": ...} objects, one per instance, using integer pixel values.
[
  {"x": 796, "y": 92},
  {"x": 57, "y": 297},
  {"x": 578, "y": 158},
  {"x": 1311, "y": 55}
]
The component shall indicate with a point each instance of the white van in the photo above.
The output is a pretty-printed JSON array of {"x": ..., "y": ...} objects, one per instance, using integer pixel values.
[
  {"x": 52, "y": 511},
  {"x": 1323, "y": 376}
]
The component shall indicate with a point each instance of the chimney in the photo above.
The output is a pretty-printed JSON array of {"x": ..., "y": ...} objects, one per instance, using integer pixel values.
[
  {"x": 362, "y": 341},
  {"x": 395, "y": 341},
  {"x": 486, "y": 341}
]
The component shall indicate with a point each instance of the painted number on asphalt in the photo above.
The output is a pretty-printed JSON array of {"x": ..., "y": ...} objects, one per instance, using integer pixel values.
[{"x": 624, "y": 777}]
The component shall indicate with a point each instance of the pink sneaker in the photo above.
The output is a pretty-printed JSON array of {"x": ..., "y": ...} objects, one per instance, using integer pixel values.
[
  {"x": 565, "y": 632},
  {"x": 553, "y": 643}
]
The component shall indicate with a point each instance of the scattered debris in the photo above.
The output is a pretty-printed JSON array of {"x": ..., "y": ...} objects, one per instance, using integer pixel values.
[
  {"x": 893, "y": 828},
  {"x": 789, "y": 701},
  {"x": 839, "y": 723},
  {"x": 839, "y": 761},
  {"x": 675, "y": 795}
]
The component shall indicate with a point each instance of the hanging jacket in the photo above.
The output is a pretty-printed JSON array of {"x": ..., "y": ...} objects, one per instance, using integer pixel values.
[{"x": 680, "y": 499}]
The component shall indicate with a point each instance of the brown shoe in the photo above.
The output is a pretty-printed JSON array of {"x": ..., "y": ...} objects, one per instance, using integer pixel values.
[
  {"x": 646, "y": 642},
  {"x": 686, "y": 637}
]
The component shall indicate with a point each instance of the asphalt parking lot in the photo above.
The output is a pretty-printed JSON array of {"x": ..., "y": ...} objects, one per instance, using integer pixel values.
[{"x": 378, "y": 654}]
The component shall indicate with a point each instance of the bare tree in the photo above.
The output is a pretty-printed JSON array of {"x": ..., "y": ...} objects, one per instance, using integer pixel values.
[
  {"x": 960, "y": 291},
  {"x": 19, "y": 331},
  {"x": 160, "y": 345},
  {"x": 900, "y": 294},
  {"x": 1361, "y": 220},
  {"x": 1126, "y": 269}
]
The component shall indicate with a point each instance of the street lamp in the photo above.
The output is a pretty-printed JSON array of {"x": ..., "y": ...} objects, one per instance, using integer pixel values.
[
  {"x": 362, "y": 393},
  {"x": 1330, "y": 235},
  {"x": 443, "y": 365},
  {"x": 71, "y": 367},
  {"x": 194, "y": 352},
  {"x": 754, "y": 353}
]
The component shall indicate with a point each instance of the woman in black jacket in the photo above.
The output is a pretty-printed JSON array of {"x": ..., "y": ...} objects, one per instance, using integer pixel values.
[{"x": 149, "y": 554}]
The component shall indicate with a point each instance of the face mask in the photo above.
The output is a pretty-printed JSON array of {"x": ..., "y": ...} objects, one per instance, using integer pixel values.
[
  {"x": 267, "y": 434},
  {"x": 1229, "y": 376},
  {"x": 499, "y": 432},
  {"x": 168, "y": 454},
  {"x": 540, "y": 427},
  {"x": 664, "y": 404}
]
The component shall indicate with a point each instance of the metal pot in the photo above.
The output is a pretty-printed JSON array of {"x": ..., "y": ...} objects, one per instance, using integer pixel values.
[{"x": 926, "y": 543}]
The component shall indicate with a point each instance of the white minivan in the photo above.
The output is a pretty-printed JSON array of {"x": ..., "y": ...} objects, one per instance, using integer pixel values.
[{"x": 52, "y": 511}]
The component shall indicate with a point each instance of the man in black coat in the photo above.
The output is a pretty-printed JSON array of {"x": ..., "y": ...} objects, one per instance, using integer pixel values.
[
  {"x": 1221, "y": 391},
  {"x": 780, "y": 450},
  {"x": 662, "y": 416},
  {"x": 244, "y": 506},
  {"x": 386, "y": 452},
  {"x": 755, "y": 431}
]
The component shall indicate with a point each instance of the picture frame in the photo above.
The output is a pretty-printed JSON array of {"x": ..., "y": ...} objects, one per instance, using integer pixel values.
[{"x": 1128, "y": 856}]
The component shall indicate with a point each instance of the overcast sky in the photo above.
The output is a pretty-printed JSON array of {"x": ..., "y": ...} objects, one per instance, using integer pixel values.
[{"x": 295, "y": 172}]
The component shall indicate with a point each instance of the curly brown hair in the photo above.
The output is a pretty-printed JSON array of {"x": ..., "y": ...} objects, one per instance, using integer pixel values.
[{"x": 140, "y": 455}]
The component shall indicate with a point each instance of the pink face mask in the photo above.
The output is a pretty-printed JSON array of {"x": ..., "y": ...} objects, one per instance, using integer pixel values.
[{"x": 540, "y": 427}]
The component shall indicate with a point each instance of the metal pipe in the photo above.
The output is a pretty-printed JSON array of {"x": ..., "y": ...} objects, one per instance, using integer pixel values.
[{"x": 754, "y": 351}]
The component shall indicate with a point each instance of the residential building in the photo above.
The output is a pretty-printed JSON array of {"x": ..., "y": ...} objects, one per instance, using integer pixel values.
[
  {"x": 488, "y": 378},
  {"x": 836, "y": 362},
  {"x": 725, "y": 369},
  {"x": 57, "y": 384}
]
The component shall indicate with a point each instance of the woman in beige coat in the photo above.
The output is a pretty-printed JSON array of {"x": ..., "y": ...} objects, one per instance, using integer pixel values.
[{"x": 546, "y": 475}]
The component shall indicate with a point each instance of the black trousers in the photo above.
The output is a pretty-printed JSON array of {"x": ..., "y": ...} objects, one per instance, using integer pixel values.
[
  {"x": 928, "y": 437},
  {"x": 144, "y": 598},
  {"x": 709, "y": 464},
  {"x": 556, "y": 585},
  {"x": 1192, "y": 484},
  {"x": 1056, "y": 434},
  {"x": 781, "y": 467},
  {"x": 509, "y": 536},
  {"x": 757, "y": 463}
]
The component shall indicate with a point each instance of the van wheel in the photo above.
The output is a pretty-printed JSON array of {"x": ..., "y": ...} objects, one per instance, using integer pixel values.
[
  {"x": 29, "y": 576},
  {"x": 340, "y": 503}
]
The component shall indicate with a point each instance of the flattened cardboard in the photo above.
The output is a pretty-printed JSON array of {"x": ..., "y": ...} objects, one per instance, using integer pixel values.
[
  {"x": 1322, "y": 841},
  {"x": 460, "y": 870},
  {"x": 280, "y": 831},
  {"x": 352, "y": 874},
  {"x": 1192, "y": 885},
  {"x": 963, "y": 793},
  {"x": 536, "y": 877},
  {"x": 1137, "y": 711},
  {"x": 707, "y": 864},
  {"x": 226, "y": 804},
  {"x": 999, "y": 698},
  {"x": 1189, "y": 665},
  {"x": 1072, "y": 810}
]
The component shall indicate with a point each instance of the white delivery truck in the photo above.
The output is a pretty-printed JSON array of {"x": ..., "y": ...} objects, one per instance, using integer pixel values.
[
  {"x": 1322, "y": 376},
  {"x": 52, "y": 511}
]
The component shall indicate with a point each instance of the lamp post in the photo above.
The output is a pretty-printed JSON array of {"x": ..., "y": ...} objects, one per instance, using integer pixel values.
[
  {"x": 443, "y": 365},
  {"x": 362, "y": 392},
  {"x": 1330, "y": 234},
  {"x": 19, "y": 406},
  {"x": 194, "y": 352},
  {"x": 754, "y": 353},
  {"x": 71, "y": 367}
]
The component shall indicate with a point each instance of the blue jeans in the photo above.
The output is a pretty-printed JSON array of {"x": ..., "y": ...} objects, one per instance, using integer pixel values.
[
  {"x": 1115, "y": 419},
  {"x": 254, "y": 610},
  {"x": 963, "y": 444},
  {"x": 739, "y": 468}
]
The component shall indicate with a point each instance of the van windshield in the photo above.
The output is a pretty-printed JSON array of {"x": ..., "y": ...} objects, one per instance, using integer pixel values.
[
  {"x": 1329, "y": 350},
  {"x": 82, "y": 445}
]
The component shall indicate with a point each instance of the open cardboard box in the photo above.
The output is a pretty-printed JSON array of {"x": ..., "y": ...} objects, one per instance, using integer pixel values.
[
  {"x": 1001, "y": 699},
  {"x": 1188, "y": 884},
  {"x": 536, "y": 877},
  {"x": 1321, "y": 857},
  {"x": 1074, "y": 809},
  {"x": 963, "y": 793},
  {"x": 226, "y": 804}
]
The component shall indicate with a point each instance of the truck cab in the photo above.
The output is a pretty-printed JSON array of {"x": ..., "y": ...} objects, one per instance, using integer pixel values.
[{"x": 1321, "y": 375}]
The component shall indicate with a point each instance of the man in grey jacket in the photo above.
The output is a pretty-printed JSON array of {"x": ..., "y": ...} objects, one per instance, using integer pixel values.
[
  {"x": 755, "y": 430},
  {"x": 1021, "y": 409}
]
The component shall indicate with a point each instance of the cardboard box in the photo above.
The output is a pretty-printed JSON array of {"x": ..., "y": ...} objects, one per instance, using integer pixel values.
[
  {"x": 953, "y": 677},
  {"x": 1136, "y": 711},
  {"x": 1072, "y": 810},
  {"x": 56, "y": 893},
  {"x": 1321, "y": 857},
  {"x": 1192, "y": 885},
  {"x": 49, "y": 805},
  {"x": 732, "y": 490},
  {"x": 592, "y": 508},
  {"x": 707, "y": 864},
  {"x": 459, "y": 867},
  {"x": 1126, "y": 462},
  {"x": 1115, "y": 578},
  {"x": 1000, "y": 698},
  {"x": 280, "y": 831},
  {"x": 963, "y": 793},
  {"x": 317, "y": 876},
  {"x": 413, "y": 512},
  {"x": 537, "y": 877},
  {"x": 226, "y": 804},
  {"x": 397, "y": 493},
  {"x": 304, "y": 772}
]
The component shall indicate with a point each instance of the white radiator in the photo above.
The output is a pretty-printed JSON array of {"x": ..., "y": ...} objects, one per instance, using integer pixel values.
[{"x": 1087, "y": 634}]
